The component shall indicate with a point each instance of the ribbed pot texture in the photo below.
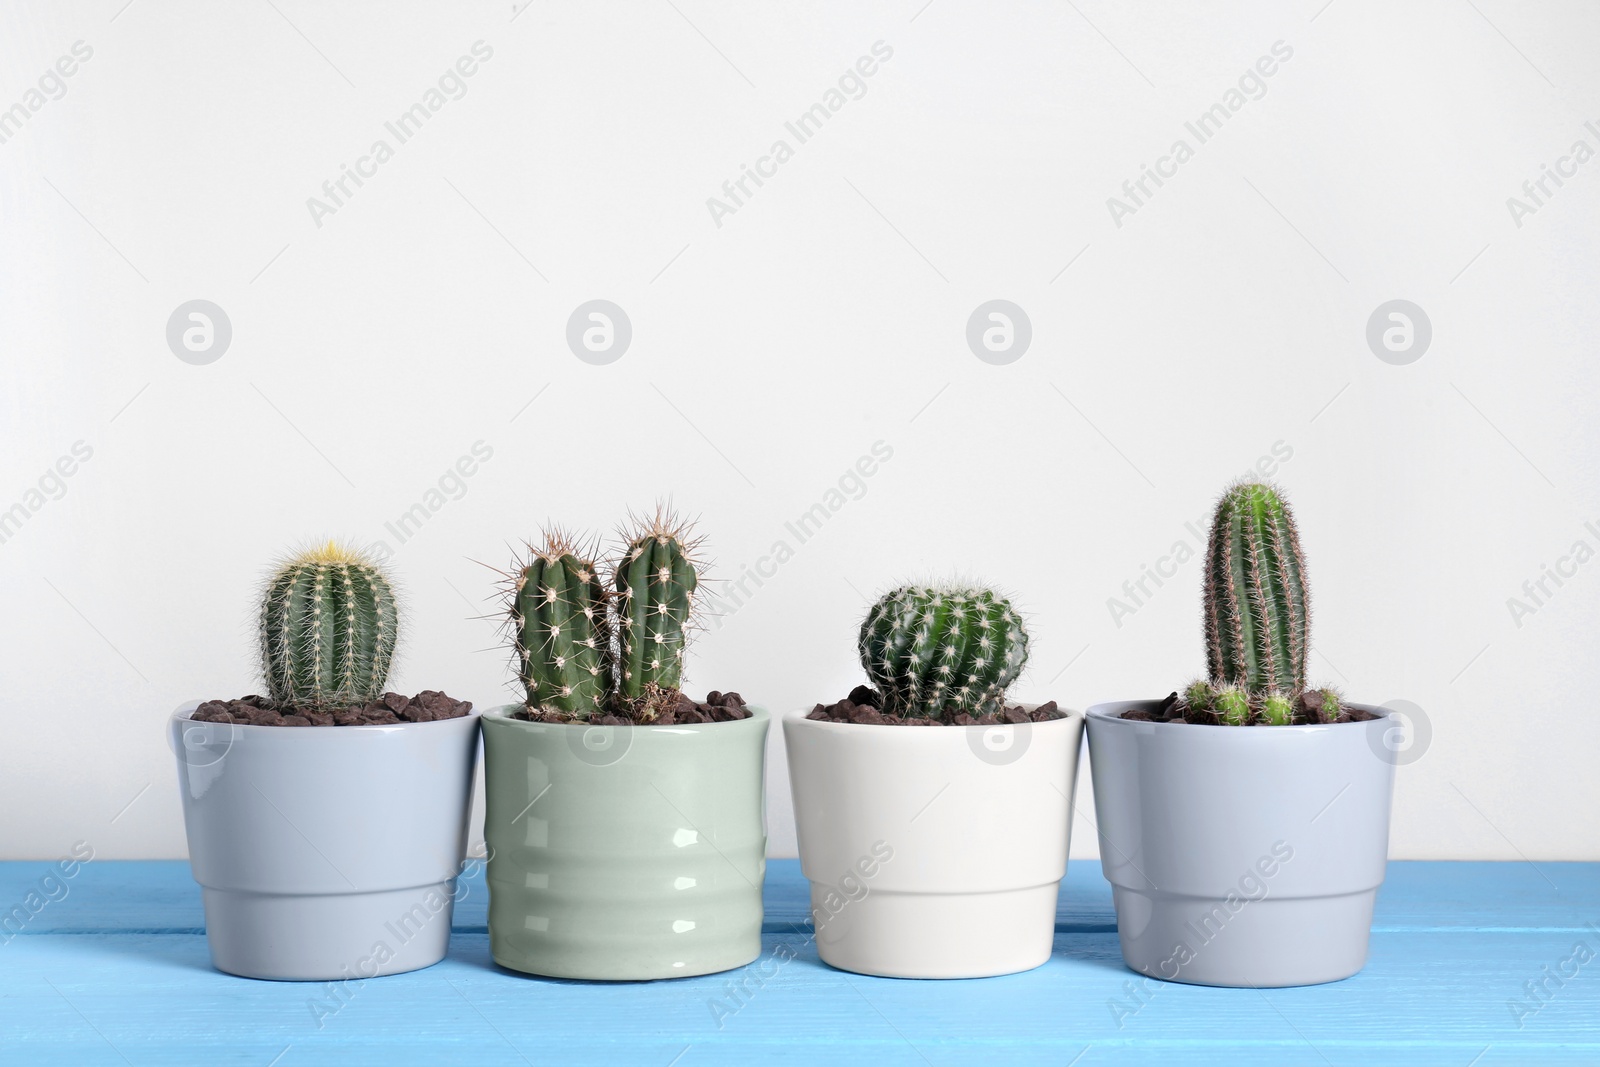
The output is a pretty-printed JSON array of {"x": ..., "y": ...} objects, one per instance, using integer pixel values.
[{"x": 624, "y": 852}]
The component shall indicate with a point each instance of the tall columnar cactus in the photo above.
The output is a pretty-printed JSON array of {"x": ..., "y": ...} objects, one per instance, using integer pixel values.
[
  {"x": 656, "y": 581},
  {"x": 1257, "y": 615},
  {"x": 329, "y": 621},
  {"x": 558, "y": 618},
  {"x": 936, "y": 652}
]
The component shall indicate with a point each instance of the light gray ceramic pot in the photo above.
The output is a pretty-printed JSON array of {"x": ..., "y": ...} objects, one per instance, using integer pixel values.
[
  {"x": 326, "y": 852},
  {"x": 624, "y": 852},
  {"x": 1242, "y": 856}
]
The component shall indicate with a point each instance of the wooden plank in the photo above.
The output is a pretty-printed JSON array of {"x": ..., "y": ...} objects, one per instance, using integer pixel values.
[
  {"x": 160, "y": 896},
  {"x": 154, "y": 999},
  {"x": 118, "y": 973}
]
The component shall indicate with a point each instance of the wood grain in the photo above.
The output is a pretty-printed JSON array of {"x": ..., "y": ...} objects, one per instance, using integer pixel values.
[{"x": 116, "y": 972}]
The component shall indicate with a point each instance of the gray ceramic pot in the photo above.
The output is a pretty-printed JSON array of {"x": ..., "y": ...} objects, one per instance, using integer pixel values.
[
  {"x": 1242, "y": 856},
  {"x": 624, "y": 852},
  {"x": 326, "y": 852}
]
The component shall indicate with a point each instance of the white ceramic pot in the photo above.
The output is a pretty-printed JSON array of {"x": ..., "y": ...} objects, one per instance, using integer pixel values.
[
  {"x": 933, "y": 851},
  {"x": 1242, "y": 855},
  {"x": 326, "y": 852}
]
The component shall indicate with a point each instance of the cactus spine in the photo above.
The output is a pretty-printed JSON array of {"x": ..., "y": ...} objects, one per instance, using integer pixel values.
[
  {"x": 329, "y": 621},
  {"x": 558, "y": 620},
  {"x": 1256, "y": 609},
  {"x": 655, "y": 584},
  {"x": 941, "y": 651}
]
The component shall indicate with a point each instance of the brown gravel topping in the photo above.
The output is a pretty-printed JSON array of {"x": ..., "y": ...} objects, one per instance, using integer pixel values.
[
  {"x": 864, "y": 705},
  {"x": 430, "y": 705},
  {"x": 666, "y": 709}
]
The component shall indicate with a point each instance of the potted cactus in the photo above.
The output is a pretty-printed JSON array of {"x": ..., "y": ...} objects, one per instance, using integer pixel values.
[
  {"x": 625, "y": 821},
  {"x": 1244, "y": 825},
  {"x": 933, "y": 818},
  {"x": 327, "y": 821}
]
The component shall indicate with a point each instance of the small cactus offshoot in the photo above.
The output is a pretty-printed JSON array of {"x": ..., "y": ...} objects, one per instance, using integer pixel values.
[
  {"x": 1276, "y": 709},
  {"x": 1233, "y": 705},
  {"x": 1205, "y": 701},
  {"x": 939, "y": 651},
  {"x": 328, "y": 625},
  {"x": 1200, "y": 695},
  {"x": 1321, "y": 705}
]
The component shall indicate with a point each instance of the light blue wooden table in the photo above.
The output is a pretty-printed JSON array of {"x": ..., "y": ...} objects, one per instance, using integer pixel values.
[{"x": 116, "y": 972}]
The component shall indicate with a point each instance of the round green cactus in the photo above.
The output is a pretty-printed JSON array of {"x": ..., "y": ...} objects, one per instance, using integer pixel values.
[
  {"x": 328, "y": 627},
  {"x": 1200, "y": 695},
  {"x": 558, "y": 619},
  {"x": 1328, "y": 704},
  {"x": 1232, "y": 705},
  {"x": 1277, "y": 709},
  {"x": 939, "y": 651}
]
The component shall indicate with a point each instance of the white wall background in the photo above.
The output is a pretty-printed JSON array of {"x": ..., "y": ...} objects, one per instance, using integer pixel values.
[{"x": 1168, "y": 354}]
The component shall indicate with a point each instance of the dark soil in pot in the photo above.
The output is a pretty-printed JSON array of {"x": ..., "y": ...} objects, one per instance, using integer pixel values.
[
  {"x": 661, "y": 708},
  {"x": 865, "y": 705},
  {"x": 430, "y": 705}
]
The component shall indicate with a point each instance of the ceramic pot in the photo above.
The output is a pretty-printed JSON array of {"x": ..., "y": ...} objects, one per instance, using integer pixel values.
[
  {"x": 624, "y": 852},
  {"x": 1242, "y": 855},
  {"x": 326, "y": 852},
  {"x": 933, "y": 851}
]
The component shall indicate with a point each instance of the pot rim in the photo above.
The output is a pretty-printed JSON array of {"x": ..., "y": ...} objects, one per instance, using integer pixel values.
[
  {"x": 1069, "y": 715},
  {"x": 183, "y": 714},
  {"x": 1111, "y": 711},
  {"x": 500, "y": 714}
]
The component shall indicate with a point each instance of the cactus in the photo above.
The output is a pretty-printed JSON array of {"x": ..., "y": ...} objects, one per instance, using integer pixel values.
[
  {"x": 329, "y": 621},
  {"x": 941, "y": 651},
  {"x": 584, "y": 650},
  {"x": 1200, "y": 695},
  {"x": 1277, "y": 710},
  {"x": 1323, "y": 705},
  {"x": 559, "y": 626},
  {"x": 1233, "y": 706},
  {"x": 655, "y": 581},
  {"x": 1256, "y": 609}
]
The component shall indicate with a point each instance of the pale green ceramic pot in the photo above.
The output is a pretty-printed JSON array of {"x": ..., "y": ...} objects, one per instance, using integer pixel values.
[{"x": 624, "y": 853}]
